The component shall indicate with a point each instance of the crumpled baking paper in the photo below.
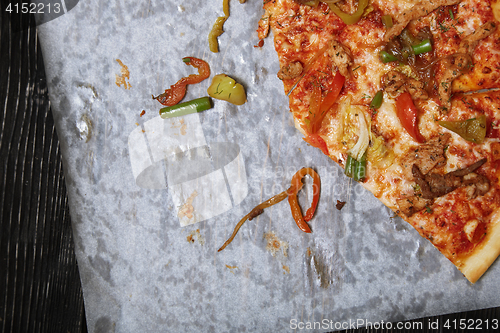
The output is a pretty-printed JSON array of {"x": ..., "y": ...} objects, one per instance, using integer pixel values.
[{"x": 152, "y": 200}]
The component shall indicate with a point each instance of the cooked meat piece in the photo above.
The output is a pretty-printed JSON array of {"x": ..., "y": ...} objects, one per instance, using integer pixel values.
[
  {"x": 469, "y": 43},
  {"x": 477, "y": 185},
  {"x": 341, "y": 57},
  {"x": 416, "y": 89},
  {"x": 290, "y": 71},
  {"x": 435, "y": 185},
  {"x": 426, "y": 156},
  {"x": 419, "y": 10},
  {"x": 460, "y": 62},
  {"x": 394, "y": 81},
  {"x": 411, "y": 205}
]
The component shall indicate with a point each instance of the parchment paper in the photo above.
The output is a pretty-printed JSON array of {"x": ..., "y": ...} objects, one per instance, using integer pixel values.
[{"x": 152, "y": 200}]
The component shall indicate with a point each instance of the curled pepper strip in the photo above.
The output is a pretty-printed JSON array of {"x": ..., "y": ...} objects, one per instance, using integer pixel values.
[
  {"x": 255, "y": 212},
  {"x": 177, "y": 91},
  {"x": 294, "y": 203}
]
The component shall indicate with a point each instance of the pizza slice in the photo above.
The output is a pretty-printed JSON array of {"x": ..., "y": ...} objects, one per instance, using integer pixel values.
[{"x": 380, "y": 87}]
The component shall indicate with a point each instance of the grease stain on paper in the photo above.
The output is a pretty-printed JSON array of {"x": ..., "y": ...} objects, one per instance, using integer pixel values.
[
  {"x": 123, "y": 77},
  {"x": 182, "y": 126},
  {"x": 232, "y": 268},
  {"x": 187, "y": 209}
]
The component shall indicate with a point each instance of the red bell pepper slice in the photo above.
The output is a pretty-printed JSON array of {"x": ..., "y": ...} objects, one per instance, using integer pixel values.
[
  {"x": 316, "y": 141},
  {"x": 317, "y": 114},
  {"x": 294, "y": 203},
  {"x": 177, "y": 91},
  {"x": 408, "y": 115}
]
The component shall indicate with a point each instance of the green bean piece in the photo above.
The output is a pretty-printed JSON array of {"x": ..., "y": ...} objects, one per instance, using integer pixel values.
[
  {"x": 360, "y": 169},
  {"x": 182, "y": 109},
  {"x": 377, "y": 100},
  {"x": 424, "y": 46},
  {"x": 386, "y": 57},
  {"x": 350, "y": 166}
]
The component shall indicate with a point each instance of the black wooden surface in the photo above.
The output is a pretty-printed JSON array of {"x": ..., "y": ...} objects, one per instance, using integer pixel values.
[{"x": 40, "y": 289}]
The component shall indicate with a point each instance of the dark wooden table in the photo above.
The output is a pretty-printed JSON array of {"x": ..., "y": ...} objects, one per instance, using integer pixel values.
[{"x": 40, "y": 289}]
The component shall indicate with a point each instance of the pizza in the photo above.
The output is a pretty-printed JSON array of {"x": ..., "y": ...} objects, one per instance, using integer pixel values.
[{"x": 404, "y": 96}]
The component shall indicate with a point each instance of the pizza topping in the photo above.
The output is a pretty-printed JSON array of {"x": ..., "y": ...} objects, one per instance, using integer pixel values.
[
  {"x": 470, "y": 228},
  {"x": 408, "y": 115},
  {"x": 426, "y": 156},
  {"x": 341, "y": 56},
  {"x": 377, "y": 100},
  {"x": 415, "y": 12},
  {"x": 254, "y": 213},
  {"x": 225, "y": 88},
  {"x": 412, "y": 205},
  {"x": 435, "y": 185},
  {"x": 294, "y": 203},
  {"x": 182, "y": 109},
  {"x": 473, "y": 130},
  {"x": 217, "y": 28},
  {"x": 379, "y": 154},
  {"x": 470, "y": 42},
  {"x": 395, "y": 81},
  {"x": 406, "y": 46},
  {"x": 461, "y": 62},
  {"x": 350, "y": 18},
  {"x": 361, "y": 145},
  {"x": 356, "y": 169},
  {"x": 291, "y": 193},
  {"x": 290, "y": 71},
  {"x": 177, "y": 91},
  {"x": 455, "y": 65}
]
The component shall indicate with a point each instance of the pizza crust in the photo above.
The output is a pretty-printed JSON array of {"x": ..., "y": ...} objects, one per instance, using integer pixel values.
[{"x": 483, "y": 256}]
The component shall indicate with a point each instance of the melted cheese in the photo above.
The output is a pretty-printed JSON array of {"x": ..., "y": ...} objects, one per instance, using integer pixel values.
[{"x": 301, "y": 32}]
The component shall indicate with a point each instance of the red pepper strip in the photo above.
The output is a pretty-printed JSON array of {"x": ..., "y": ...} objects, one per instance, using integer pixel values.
[
  {"x": 329, "y": 100},
  {"x": 294, "y": 203},
  {"x": 316, "y": 141},
  {"x": 317, "y": 111},
  {"x": 407, "y": 114},
  {"x": 177, "y": 91},
  {"x": 268, "y": 203}
]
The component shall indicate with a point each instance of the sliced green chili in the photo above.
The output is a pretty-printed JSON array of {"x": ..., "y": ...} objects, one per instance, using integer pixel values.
[
  {"x": 387, "y": 21},
  {"x": 196, "y": 105},
  {"x": 473, "y": 130},
  {"x": 350, "y": 18},
  {"x": 377, "y": 100}
]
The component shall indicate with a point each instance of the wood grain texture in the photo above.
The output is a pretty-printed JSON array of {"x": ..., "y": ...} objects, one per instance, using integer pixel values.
[{"x": 40, "y": 289}]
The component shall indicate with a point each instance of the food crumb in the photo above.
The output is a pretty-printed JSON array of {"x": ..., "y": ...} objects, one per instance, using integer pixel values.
[
  {"x": 123, "y": 77},
  {"x": 143, "y": 113},
  {"x": 309, "y": 252},
  {"x": 340, "y": 204},
  {"x": 274, "y": 245},
  {"x": 287, "y": 269},
  {"x": 195, "y": 234},
  {"x": 232, "y": 268}
]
